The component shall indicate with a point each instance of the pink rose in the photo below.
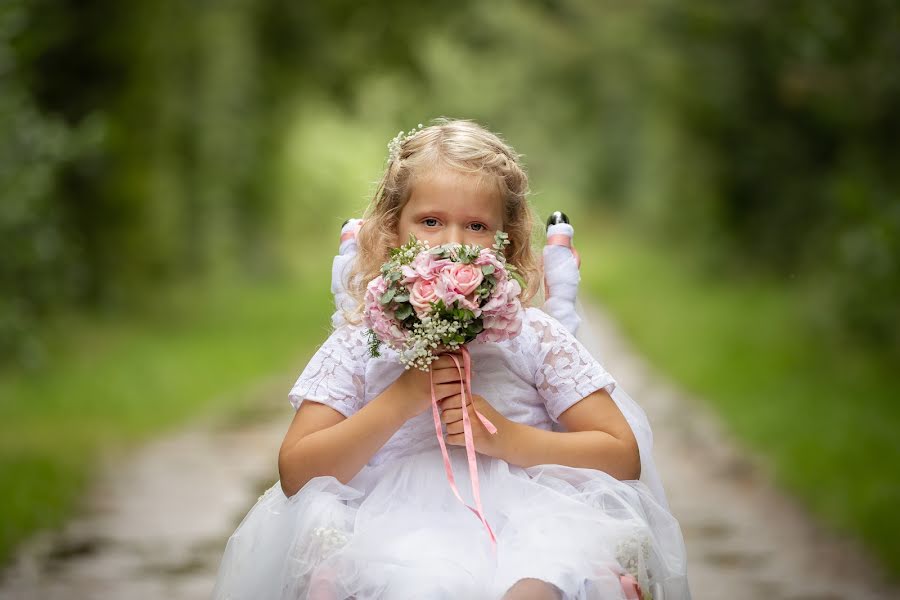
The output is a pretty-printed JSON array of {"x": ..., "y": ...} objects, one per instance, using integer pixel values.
[
  {"x": 423, "y": 266},
  {"x": 449, "y": 295},
  {"x": 504, "y": 292},
  {"x": 376, "y": 288},
  {"x": 462, "y": 278},
  {"x": 503, "y": 325},
  {"x": 422, "y": 293},
  {"x": 487, "y": 257},
  {"x": 378, "y": 317}
]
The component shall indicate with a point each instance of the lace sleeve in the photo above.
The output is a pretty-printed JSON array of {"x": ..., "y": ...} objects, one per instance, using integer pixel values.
[
  {"x": 335, "y": 375},
  {"x": 565, "y": 372}
]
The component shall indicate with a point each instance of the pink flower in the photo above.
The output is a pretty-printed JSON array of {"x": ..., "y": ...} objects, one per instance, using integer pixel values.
[
  {"x": 423, "y": 266},
  {"x": 422, "y": 293},
  {"x": 428, "y": 279},
  {"x": 449, "y": 295},
  {"x": 376, "y": 288},
  {"x": 501, "y": 316},
  {"x": 487, "y": 257},
  {"x": 502, "y": 325},
  {"x": 462, "y": 278},
  {"x": 503, "y": 294},
  {"x": 378, "y": 317}
]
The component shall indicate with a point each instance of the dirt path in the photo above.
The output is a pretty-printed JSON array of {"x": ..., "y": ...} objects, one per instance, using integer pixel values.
[
  {"x": 745, "y": 539},
  {"x": 156, "y": 522}
]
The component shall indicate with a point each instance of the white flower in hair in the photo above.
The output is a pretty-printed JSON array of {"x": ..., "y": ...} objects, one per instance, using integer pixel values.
[{"x": 395, "y": 144}]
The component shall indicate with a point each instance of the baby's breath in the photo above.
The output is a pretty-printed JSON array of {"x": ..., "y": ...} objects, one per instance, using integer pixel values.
[
  {"x": 396, "y": 143},
  {"x": 444, "y": 327}
]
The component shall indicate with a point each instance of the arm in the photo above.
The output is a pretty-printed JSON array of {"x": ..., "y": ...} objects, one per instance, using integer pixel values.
[
  {"x": 322, "y": 441},
  {"x": 597, "y": 437}
]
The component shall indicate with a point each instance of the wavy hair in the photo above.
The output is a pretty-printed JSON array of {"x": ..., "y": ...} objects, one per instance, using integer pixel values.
[{"x": 462, "y": 146}]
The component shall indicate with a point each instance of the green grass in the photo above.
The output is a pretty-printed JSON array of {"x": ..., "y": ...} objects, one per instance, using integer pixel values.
[
  {"x": 825, "y": 418},
  {"x": 111, "y": 383}
]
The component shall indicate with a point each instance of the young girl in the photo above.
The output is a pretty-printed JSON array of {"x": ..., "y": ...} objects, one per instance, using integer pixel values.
[{"x": 364, "y": 510}]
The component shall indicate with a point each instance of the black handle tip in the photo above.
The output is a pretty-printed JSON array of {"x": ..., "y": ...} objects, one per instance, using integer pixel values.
[{"x": 557, "y": 217}]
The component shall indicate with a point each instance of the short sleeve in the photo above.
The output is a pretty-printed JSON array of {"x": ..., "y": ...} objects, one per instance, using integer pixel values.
[
  {"x": 565, "y": 371},
  {"x": 335, "y": 375}
]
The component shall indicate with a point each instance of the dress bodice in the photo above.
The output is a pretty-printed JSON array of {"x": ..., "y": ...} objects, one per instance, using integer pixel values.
[{"x": 531, "y": 379}]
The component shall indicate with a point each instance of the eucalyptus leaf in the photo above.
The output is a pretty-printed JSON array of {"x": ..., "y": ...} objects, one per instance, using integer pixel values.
[
  {"x": 388, "y": 295},
  {"x": 404, "y": 311}
]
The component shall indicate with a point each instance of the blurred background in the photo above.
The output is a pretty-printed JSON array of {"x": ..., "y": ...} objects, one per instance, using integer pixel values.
[{"x": 173, "y": 177}]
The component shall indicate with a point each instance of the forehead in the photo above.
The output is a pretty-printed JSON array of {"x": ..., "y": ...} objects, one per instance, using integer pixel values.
[{"x": 455, "y": 191}]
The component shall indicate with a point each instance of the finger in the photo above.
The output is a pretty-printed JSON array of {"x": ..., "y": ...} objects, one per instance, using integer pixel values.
[
  {"x": 445, "y": 391},
  {"x": 454, "y": 402},
  {"x": 455, "y": 428},
  {"x": 451, "y": 401},
  {"x": 447, "y": 376},
  {"x": 451, "y": 415},
  {"x": 456, "y": 439},
  {"x": 446, "y": 362}
]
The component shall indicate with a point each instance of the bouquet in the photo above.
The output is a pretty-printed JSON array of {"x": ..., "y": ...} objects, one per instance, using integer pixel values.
[{"x": 431, "y": 300}]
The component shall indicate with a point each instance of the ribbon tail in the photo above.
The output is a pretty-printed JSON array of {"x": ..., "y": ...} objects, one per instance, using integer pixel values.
[
  {"x": 470, "y": 455},
  {"x": 470, "y": 442}
]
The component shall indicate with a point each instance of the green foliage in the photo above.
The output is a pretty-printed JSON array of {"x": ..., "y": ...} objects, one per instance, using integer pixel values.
[
  {"x": 793, "y": 111},
  {"x": 824, "y": 417},
  {"x": 109, "y": 383},
  {"x": 151, "y": 143}
]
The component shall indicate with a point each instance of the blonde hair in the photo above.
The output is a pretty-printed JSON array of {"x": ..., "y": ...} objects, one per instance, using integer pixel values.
[{"x": 463, "y": 146}]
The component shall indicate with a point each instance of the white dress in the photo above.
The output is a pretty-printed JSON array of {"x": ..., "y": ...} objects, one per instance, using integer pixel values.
[{"x": 396, "y": 531}]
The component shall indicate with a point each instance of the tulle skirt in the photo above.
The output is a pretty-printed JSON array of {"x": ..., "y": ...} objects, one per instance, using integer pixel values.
[{"x": 396, "y": 531}]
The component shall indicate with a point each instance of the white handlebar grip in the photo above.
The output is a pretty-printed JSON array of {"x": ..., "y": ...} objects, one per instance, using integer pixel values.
[
  {"x": 340, "y": 271},
  {"x": 561, "y": 276}
]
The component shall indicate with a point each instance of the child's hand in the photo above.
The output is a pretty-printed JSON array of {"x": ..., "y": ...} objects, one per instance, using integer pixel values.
[
  {"x": 485, "y": 442},
  {"x": 413, "y": 387}
]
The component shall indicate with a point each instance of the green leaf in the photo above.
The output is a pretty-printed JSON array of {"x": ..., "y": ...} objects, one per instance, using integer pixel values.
[
  {"x": 488, "y": 269},
  {"x": 374, "y": 343},
  {"x": 388, "y": 295},
  {"x": 404, "y": 312}
]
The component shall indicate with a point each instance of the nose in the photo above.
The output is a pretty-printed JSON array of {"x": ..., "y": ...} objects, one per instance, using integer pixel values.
[{"x": 453, "y": 235}]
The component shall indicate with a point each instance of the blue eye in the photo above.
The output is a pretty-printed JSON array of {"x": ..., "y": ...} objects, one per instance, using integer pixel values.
[
  {"x": 480, "y": 225},
  {"x": 430, "y": 222}
]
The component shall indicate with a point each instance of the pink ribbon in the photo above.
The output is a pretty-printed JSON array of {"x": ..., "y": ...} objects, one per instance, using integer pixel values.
[
  {"x": 631, "y": 588},
  {"x": 466, "y": 392}
]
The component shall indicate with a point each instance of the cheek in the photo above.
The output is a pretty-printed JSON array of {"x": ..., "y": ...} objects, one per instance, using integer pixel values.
[{"x": 403, "y": 230}]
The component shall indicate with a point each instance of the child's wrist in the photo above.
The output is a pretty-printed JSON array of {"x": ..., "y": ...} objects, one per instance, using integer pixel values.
[
  {"x": 392, "y": 400},
  {"x": 507, "y": 441}
]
